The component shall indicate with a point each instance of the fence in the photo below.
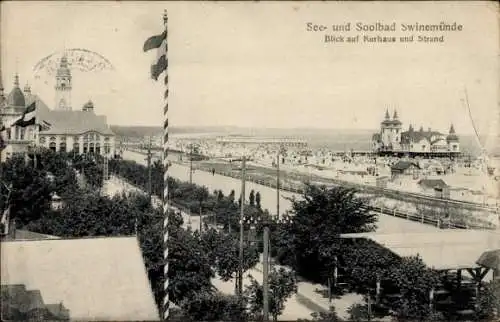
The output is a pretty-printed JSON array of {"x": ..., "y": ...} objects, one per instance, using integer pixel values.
[{"x": 389, "y": 193}]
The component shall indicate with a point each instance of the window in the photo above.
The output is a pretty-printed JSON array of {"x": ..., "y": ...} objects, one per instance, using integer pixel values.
[
  {"x": 52, "y": 146},
  {"x": 62, "y": 147},
  {"x": 63, "y": 138},
  {"x": 42, "y": 140},
  {"x": 52, "y": 139},
  {"x": 107, "y": 148},
  {"x": 98, "y": 148},
  {"x": 91, "y": 148},
  {"x": 85, "y": 147},
  {"x": 106, "y": 139},
  {"x": 76, "y": 148}
]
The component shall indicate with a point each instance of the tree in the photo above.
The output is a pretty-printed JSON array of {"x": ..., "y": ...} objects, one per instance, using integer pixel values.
[
  {"x": 488, "y": 301},
  {"x": 31, "y": 190},
  {"x": 232, "y": 196},
  {"x": 414, "y": 282},
  {"x": 257, "y": 200},
  {"x": 319, "y": 218},
  {"x": 330, "y": 316},
  {"x": 215, "y": 306},
  {"x": 282, "y": 284},
  {"x": 223, "y": 251},
  {"x": 252, "y": 198}
]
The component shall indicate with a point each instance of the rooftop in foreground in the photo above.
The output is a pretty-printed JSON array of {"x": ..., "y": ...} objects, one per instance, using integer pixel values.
[
  {"x": 100, "y": 279},
  {"x": 441, "y": 250}
]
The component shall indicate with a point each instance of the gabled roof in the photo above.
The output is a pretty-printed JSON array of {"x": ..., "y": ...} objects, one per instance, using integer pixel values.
[
  {"x": 71, "y": 122},
  {"x": 433, "y": 183},
  {"x": 90, "y": 276}
]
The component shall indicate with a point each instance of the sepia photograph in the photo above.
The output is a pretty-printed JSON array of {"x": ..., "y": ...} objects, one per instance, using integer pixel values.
[{"x": 249, "y": 161}]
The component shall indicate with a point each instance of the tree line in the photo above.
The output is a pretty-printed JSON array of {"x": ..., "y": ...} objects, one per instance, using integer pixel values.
[{"x": 310, "y": 243}]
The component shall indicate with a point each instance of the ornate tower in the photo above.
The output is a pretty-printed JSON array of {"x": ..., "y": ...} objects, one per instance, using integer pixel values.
[{"x": 63, "y": 86}]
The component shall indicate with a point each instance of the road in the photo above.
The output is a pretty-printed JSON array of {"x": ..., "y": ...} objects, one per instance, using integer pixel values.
[
  {"x": 294, "y": 309},
  {"x": 386, "y": 223}
]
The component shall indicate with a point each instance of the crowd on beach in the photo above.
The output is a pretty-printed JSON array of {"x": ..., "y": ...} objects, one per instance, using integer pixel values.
[{"x": 465, "y": 177}]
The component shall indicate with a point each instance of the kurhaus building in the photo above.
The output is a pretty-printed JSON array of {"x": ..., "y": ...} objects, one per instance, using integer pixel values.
[
  {"x": 393, "y": 140},
  {"x": 80, "y": 131}
]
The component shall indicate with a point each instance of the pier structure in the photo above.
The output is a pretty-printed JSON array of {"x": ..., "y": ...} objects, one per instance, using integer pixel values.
[{"x": 391, "y": 140}]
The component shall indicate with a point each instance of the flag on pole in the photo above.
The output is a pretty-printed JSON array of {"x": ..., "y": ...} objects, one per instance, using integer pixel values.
[
  {"x": 28, "y": 117},
  {"x": 158, "y": 42}
]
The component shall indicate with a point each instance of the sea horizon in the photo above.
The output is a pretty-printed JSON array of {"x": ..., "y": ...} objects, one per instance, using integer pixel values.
[{"x": 331, "y": 139}]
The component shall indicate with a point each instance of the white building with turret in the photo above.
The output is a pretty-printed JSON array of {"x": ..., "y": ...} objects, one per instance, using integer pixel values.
[
  {"x": 392, "y": 139},
  {"x": 80, "y": 131}
]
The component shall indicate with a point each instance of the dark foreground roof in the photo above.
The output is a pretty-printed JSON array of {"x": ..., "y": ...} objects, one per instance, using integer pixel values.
[
  {"x": 403, "y": 165},
  {"x": 20, "y": 304},
  {"x": 433, "y": 183}
]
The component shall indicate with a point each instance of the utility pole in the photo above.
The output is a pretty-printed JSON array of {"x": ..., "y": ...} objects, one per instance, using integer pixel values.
[
  {"x": 265, "y": 271},
  {"x": 191, "y": 164},
  {"x": 278, "y": 185},
  {"x": 242, "y": 215},
  {"x": 106, "y": 168}
]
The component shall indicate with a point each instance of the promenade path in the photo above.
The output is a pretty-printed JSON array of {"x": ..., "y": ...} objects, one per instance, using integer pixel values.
[
  {"x": 386, "y": 223},
  {"x": 294, "y": 309},
  {"x": 308, "y": 299}
]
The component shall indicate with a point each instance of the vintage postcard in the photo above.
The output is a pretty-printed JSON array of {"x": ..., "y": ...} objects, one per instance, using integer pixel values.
[{"x": 250, "y": 161}]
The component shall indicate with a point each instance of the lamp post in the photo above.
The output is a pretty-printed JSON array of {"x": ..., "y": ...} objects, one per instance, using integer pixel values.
[
  {"x": 242, "y": 214},
  {"x": 265, "y": 222}
]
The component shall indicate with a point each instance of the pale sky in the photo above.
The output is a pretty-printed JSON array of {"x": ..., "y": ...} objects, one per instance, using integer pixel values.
[{"x": 256, "y": 65}]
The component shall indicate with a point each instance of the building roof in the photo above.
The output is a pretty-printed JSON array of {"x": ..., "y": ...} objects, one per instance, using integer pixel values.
[
  {"x": 90, "y": 276},
  {"x": 71, "y": 122},
  {"x": 16, "y": 96},
  {"x": 417, "y": 136},
  {"x": 433, "y": 183},
  {"x": 403, "y": 165},
  {"x": 443, "y": 249},
  {"x": 18, "y": 303}
]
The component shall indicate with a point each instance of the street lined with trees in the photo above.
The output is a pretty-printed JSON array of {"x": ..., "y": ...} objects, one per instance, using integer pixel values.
[{"x": 307, "y": 241}]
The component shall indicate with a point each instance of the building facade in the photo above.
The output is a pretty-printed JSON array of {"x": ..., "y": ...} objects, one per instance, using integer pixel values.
[
  {"x": 392, "y": 139},
  {"x": 80, "y": 131}
]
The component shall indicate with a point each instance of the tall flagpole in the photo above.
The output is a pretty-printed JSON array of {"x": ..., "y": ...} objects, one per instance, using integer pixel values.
[{"x": 166, "y": 302}]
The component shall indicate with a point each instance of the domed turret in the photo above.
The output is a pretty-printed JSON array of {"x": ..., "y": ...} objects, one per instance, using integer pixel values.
[
  {"x": 16, "y": 96},
  {"x": 88, "y": 107},
  {"x": 452, "y": 136}
]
